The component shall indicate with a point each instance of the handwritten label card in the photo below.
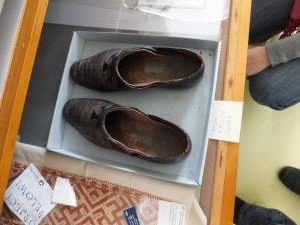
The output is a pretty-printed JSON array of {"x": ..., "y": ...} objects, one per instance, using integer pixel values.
[
  {"x": 171, "y": 213},
  {"x": 226, "y": 121},
  {"x": 29, "y": 196}
]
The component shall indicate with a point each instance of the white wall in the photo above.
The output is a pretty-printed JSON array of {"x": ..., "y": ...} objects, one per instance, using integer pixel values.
[
  {"x": 1, "y": 4},
  {"x": 10, "y": 19}
]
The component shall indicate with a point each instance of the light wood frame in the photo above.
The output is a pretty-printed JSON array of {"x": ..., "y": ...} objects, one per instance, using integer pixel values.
[
  {"x": 226, "y": 163},
  {"x": 17, "y": 84}
]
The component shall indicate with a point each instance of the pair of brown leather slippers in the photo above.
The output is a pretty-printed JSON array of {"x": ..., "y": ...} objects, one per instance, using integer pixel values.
[{"x": 124, "y": 128}]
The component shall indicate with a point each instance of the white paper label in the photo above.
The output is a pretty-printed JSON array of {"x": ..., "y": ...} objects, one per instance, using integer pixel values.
[
  {"x": 171, "y": 213},
  {"x": 63, "y": 192},
  {"x": 29, "y": 196},
  {"x": 226, "y": 121}
]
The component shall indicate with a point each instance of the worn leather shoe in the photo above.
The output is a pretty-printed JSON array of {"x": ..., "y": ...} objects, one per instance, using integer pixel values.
[
  {"x": 139, "y": 68},
  {"x": 127, "y": 130},
  {"x": 290, "y": 177}
]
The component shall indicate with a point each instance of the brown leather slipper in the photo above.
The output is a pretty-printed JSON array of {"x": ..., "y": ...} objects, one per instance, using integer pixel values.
[
  {"x": 139, "y": 68},
  {"x": 127, "y": 130}
]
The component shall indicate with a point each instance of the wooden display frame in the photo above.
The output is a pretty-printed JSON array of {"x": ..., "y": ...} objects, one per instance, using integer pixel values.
[
  {"x": 225, "y": 161},
  {"x": 17, "y": 84}
]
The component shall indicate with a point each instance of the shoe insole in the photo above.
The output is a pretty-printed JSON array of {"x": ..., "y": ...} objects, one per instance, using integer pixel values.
[
  {"x": 144, "y": 135},
  {"x": 146, "y": 67}
]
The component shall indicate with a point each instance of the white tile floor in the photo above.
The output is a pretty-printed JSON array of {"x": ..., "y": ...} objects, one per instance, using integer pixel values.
[{"x": 270, "y": 139}]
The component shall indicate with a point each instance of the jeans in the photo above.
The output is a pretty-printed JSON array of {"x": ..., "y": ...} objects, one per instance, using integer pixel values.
[
  {"x": 257, "y": 215},
  {"x": 277, "y": 87}
]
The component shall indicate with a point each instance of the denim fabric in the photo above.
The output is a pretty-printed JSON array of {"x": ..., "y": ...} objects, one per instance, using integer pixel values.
[
  {"x": 256, "y": 215},
  {"x": 277, "y": 87},
  {"x": 268, "y": 17}
]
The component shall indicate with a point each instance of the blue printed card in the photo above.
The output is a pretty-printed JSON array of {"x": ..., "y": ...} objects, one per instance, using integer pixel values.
[{"x": 131, "y": 216}]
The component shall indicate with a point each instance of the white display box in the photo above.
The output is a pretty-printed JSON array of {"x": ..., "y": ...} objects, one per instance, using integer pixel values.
[{"x": 188, "y": 108}]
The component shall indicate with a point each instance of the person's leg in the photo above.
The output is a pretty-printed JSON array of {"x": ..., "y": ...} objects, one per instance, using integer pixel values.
[
  {"x": 268, "y": 17},
  {"x": 277, "y": 87},
  {"x": 248, "y": 214}
]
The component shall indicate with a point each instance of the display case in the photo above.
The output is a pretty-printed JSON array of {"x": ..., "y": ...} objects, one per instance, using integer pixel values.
[{"x": 94, "y": 24}]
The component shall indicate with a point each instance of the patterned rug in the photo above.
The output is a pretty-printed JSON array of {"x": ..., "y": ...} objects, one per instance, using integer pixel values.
[{"x": 98, "y": 202}]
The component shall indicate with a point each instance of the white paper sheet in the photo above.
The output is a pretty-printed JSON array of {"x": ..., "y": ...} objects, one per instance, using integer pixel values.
[
  {"x": 171, "y": 213},
  {"x": 63, "y": 192},
  {"x": 225, "y": 124},
  {"x": 29, "y": 196}
]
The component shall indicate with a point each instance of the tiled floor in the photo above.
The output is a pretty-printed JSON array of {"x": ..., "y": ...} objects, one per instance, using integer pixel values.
[{"x": 270, "y": 139}]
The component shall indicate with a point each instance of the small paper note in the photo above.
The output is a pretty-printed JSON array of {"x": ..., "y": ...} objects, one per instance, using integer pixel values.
[
  {"x": 226, "y": 121},
  {"x": 29, "y": 196},
  {"x": 171, "y": 213},
  {"x": 131, "y": 216},
  {"x": 63, "y": 192}
]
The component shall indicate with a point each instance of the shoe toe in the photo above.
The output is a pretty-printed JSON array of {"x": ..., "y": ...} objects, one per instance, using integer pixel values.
[
  {"x": 290, "y": 177},
  {"x": 66, "y": 109},
  {"x": 283, "y": 173}
]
